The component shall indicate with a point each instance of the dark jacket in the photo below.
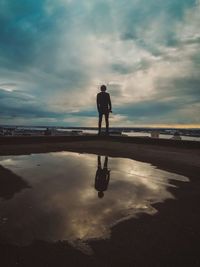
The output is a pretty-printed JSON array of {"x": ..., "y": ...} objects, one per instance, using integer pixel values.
[
  {"x": 102, "y": 179},
  {"x": 103, "y": 102}
]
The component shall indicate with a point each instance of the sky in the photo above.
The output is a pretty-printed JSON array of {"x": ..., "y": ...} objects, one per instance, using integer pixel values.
[{"x": 55, "y": 54}]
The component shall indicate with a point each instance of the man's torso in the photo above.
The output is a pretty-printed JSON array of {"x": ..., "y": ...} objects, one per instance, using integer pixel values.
[{"x": 103, "y": 101}]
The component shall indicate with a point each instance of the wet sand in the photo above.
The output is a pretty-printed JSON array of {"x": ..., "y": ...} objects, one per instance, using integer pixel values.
[{"x": 169, "y": 238}]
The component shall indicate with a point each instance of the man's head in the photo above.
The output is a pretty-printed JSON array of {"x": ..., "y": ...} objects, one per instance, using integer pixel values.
[
  {"x": 100, "y": 194},
  {"x": 103, "y": 88}
]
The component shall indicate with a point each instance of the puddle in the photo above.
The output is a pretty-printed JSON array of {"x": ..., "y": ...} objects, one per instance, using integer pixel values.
[{"x": 76, "y": 197}]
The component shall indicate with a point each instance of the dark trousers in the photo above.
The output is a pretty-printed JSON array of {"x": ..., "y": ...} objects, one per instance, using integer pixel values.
[{"x": 106, "y": 120}]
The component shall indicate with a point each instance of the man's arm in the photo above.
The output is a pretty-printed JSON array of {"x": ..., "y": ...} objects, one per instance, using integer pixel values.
[
  {"x": 108, "y": 177},
  {"x": 98, "y": 105},
  {"x": 109, "y": 103}
]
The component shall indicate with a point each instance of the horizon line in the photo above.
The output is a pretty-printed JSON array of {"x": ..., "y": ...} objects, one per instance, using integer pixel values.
[{"x": 164, "y": 126}]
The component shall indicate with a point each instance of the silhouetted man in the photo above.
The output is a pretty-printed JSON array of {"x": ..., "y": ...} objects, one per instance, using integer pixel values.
[
  {"x": 102, "y": 177},
  {"x": 104, "y": 107}
]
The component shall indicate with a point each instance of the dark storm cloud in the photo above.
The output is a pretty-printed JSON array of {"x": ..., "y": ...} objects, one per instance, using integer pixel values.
[
  {"x": 184, "y": 95},
  {"x": 187, "y": 88},
  {"x": 141, "y": 14},
  {"x": 16, "y": 104},
  {"x": 53, "y": 53},
  {"x": 24, "y": 28},
  {"x": 148, "y": 109}
]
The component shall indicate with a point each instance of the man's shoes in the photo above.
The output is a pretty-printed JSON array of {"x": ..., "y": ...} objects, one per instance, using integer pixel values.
[{"x": 103, "y": 133}]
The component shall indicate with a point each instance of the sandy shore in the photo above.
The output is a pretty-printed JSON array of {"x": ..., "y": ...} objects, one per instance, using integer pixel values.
[{"x": 169, "y": 238}]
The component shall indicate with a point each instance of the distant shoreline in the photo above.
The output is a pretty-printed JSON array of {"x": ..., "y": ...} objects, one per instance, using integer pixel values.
[{"x": 162, "y": 133}]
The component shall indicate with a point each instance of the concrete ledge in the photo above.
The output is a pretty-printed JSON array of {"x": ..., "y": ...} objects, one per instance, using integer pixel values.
[{"x": 17, "y": 140}]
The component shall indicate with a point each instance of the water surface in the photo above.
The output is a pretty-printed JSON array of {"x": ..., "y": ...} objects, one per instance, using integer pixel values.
[{"x": 77, "y": 197}]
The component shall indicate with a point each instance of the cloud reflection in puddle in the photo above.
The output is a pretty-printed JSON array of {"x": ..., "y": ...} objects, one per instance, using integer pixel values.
[{"x": 63, "y": 201}]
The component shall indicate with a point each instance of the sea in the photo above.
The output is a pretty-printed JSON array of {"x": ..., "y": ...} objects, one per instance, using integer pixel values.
[{"x": 163, "y": 133}]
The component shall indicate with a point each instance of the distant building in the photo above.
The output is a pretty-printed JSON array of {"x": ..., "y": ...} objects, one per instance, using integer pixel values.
[
  {"x": 155, "y": 134},
  {"x": 6, "y": 131},
  {"x": 176, "y": 136},
  {"x": 47, "y": 131}
]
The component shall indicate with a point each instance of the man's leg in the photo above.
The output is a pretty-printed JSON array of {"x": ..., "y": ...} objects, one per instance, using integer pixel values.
[
  {"x": 99, "y": 162},
  {"x": 107, "y": 122},
  {"x": 100, "y": 121},
  {"x": 105, "y": 166}
]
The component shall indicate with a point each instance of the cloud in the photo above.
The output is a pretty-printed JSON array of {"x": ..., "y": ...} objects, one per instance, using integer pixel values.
[{"x": 59, "y": 52}]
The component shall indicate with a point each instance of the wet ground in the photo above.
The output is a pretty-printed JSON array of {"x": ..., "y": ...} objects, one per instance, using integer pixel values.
[
  {"x": 75, "y": 198},
  {"x": 168, "y": 237}
]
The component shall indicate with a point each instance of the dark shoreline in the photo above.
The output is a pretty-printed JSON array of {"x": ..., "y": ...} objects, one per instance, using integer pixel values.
[
  {"x": 8, "y": 140},
  {"x": 170, "y": 238}
]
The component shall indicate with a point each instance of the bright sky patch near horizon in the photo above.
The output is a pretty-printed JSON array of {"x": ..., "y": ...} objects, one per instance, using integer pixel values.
[{"x": 55, "y": 54}]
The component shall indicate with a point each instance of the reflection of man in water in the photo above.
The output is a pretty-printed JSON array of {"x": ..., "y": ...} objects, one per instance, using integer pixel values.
[
  {"x": 104, "y": 107},
  {"x": 102, "y": 177}
]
